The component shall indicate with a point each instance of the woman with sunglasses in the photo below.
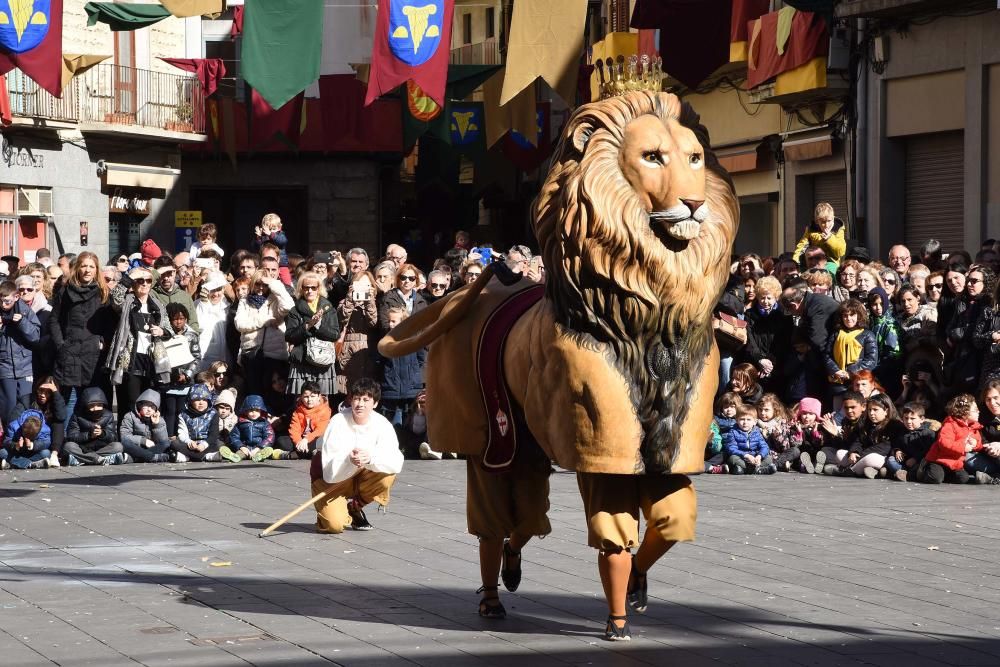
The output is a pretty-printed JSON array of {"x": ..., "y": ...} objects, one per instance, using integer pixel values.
[
  {"x": 962, "y": 356},
  {"x": 19, "y": 332},
  {"x": 405, "y": 295},
  {"x": 438, "y": 282},
  {"x": 143, "y": 322},
  {"x": 260, "y": 319},
  {"x": 31, "y": 296},
  {"x": 312, "y": 317},
  {"x": 81, "y": 322}
]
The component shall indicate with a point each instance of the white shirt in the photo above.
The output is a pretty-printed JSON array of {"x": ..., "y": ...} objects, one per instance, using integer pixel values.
[{"x": 343, "y": 436}]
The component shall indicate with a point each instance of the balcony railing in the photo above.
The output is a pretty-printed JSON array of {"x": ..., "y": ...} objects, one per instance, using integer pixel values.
[
  {"x": 486, "y": 52},
  {"x": 116, "y": 95}
]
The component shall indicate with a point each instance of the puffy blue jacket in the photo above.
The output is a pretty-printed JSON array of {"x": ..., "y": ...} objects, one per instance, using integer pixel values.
[
  {"x": 255, "y": 432},
  {"x": 403, "y": 377},
  {"x": 17, "y": 340},
  {"x": 740, "y": 443},
  {"x": 193, "y": 426},
  {"x": 44, "y": 439}
]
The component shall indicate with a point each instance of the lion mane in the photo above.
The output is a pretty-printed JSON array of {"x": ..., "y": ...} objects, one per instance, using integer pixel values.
[{"x": 619, "y": 284}]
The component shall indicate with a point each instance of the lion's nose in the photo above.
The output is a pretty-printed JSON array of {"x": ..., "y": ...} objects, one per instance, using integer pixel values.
[{"x": 693, "y": 204}]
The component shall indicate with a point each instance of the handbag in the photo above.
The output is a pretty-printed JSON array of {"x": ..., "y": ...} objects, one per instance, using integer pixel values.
[
  {"x": 731, "y": 330},
  {"x": 178, "y": 352},
  {"x": 320, "y": 352},
  {"x": 161, "y": 362}
]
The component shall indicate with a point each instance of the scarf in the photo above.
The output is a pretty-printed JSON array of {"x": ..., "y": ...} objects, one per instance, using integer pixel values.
[
  {"x": 257, "y": 300},
  {"x": 846, "y": 348}
]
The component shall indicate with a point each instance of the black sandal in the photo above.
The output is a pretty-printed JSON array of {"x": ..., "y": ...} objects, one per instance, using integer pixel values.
[
  {"x": 511, "y": 576},
  {"x": 637, "y": 594},
  {"x": 613, "y": 633},
  {"x": 489, "y": 606}
]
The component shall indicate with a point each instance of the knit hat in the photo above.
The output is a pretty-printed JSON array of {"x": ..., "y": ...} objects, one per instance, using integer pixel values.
[
  {"x": 150, "y": 396},
  {"x": 226, "y": 397},
  {"x": 809, "y": 406},
  {"x": 883, "y": 297},
  {"x": 150, "y": 251},
  {"x": 200, "y": 392}
]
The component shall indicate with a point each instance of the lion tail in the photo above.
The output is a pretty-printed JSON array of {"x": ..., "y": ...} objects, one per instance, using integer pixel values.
[{"x": 420, "y": 330}]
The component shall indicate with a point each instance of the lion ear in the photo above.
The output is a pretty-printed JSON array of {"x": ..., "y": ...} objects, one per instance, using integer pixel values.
[{"x": 581, "y": 135}]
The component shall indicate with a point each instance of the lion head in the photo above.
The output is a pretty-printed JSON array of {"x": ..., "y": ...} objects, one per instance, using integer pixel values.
[{"x": 636, "y": 222}]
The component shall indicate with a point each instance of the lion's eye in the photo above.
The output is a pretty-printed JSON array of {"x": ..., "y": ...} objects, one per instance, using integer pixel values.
[
  {"x": 653, "y": 157},
  {"x": 695, "y": 160}
]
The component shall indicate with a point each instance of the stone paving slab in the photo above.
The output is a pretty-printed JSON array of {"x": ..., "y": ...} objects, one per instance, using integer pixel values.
[{"x": 161, "y": 565}]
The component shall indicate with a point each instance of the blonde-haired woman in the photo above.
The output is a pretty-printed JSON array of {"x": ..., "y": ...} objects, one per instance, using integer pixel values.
[
  {"x": 80, "y": 322},
  {"x": 312, "y": 318}
]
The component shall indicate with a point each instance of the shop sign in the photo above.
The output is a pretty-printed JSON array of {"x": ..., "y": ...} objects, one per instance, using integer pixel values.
[{"x": 120, "y": 203}]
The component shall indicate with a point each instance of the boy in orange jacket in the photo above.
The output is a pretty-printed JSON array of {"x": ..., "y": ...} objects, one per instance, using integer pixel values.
[
  {"x": 959, "y": 436},
  {"x": 309, "y": 421}
]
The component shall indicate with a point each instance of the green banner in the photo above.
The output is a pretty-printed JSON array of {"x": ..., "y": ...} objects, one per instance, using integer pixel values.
[
  {"x": 282, "y": 45},
  {"x": 120, "y": 17}
]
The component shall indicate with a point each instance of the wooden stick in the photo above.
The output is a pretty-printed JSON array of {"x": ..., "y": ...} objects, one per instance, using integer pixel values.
[{"x": 283, "y": 520}]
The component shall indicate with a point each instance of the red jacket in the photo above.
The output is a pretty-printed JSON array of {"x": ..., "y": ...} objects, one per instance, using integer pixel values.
[{"x": 949, "y": 448}]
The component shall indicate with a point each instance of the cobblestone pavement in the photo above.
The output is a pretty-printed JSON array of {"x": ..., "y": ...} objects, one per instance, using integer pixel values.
[{"x": 161, "y": 565}]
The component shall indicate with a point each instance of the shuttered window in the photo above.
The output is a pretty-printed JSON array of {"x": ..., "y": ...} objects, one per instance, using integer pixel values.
[
  {"x": 832, "y": 187},
  {"x": 934, "y": 190}
]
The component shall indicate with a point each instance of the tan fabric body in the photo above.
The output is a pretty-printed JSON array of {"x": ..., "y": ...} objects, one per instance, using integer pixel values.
[
  {"x": 515, "y": 502},
  {"x": 331, "y": 512},
  {"x": 612, "y": 503}
]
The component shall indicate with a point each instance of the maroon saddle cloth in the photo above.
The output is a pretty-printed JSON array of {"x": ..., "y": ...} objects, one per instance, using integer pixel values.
[{"x": 507, "y": 427}]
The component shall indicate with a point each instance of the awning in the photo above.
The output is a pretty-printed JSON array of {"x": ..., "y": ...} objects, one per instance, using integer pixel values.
[
  {"x": 741, "y": 158},
  {"x": 140, "y": 176},
  {"x": 808, "y": 145}
]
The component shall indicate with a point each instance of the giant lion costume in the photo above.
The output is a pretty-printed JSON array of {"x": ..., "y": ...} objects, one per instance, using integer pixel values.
[{"x": 615, "y": 369}]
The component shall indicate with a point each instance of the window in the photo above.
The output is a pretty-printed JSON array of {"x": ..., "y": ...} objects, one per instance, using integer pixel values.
[
  {"x": 226, "y": 50},
  {"x": 491, "y": 21},
  {"x": 466, "y": 28}
]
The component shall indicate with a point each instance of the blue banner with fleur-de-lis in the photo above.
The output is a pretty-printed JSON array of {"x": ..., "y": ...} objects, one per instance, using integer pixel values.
[
  {"x": 467, "y": 125},
  {"x": 31, "y": 40}
]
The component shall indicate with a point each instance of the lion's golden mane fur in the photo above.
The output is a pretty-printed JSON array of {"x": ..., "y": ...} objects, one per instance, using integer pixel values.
[{"x": 615, "y": 279}]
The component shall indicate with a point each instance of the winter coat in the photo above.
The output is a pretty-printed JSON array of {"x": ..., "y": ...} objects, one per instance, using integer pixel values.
[
  {"x": 264, "y": 328},
  {"x": 193, "y": 341},
  {"x": 80, "y": 326},
  {"x": 740, "y": 443},
  {"x": 805, "y": 439},
  {"x": 714, "y": 444},
  {"x": 252, "y": 433},
  {"x": 948, "y": 449},
  {"x": 42, "y": 354},
  {"x": 194, "y": 426},
  {"x": 123, "y": 345},
  {"x": 82, "y": 423},
  {"x": 42, "y": 441},
  {"x": 212, "y": 341},
  {"x": 297, "y": 333},
  {"x": 180, "y": 296},
  {"x": 16, "y": 341},
  {"x": 724, "y": 424},
  {"x": 916, "y": 443},
  {"x": 403, "y": 377},
  {"x": 355, "y": 360},
  {"x": 395, "y": 299},
  {"x": 753, "y": 398},
  {"x": 835, "y": 246},
  {"x": 769, "y": 336},
  {"x": 848, "y": 430},
  {"x": 869, "y": 440},
  {"x": 917, "y": 328},
  {"x": 818, "y": 319},
  {"x": 776, "y": 434},
  {"x": 309, "y": 423},
  {"x": 54, "y": 410},
  {"x": 866, "y": 362},
  {"x": 136, "y": 429},
  {"x": 278, "y": 238}
]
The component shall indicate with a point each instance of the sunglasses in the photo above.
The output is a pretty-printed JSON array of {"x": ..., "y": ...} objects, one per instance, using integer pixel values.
[
  {"x": 474, "y": 274},
  {"x": 220, "y": 374},
  {"x": 439, "y": 286},
  {"x": 310, "y": 288},
  {"x": 143, "y": 281},
  {"x": 889, "y": 282},
  {"x": 25, "y": 290},
  {"x": 408, "y": 278},
  {"x": 935, "y": 286},
  {"x": 973, "y": 281}
]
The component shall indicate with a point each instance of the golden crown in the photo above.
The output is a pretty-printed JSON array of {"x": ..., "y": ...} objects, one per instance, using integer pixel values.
[{"x": 618, "y": 76}]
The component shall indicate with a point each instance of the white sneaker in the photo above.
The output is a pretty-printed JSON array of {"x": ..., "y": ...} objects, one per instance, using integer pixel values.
[
  {"x": 213, "y": 457},
  {"x": 180, "y": 458},
  {"x": 4, "y": 465},
  {"x": 427, "y": 453},
  {"x": 54, "y": 461}
]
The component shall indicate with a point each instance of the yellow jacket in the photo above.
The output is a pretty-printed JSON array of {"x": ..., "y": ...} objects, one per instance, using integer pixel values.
[{"x": 835, "y": 246}]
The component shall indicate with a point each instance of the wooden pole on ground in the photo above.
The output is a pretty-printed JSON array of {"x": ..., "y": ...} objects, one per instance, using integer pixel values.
[{"x": 288, "y": 517}]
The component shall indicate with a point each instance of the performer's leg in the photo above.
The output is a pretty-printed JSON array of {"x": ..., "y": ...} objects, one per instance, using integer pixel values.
[
  {"x": 490, "y": 559},
  {"x": 331, "y": 512},
  {"x": 614, "y": 568}
]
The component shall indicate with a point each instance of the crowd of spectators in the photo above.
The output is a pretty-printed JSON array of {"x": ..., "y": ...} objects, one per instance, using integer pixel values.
[{"x": 833, "y": 362}]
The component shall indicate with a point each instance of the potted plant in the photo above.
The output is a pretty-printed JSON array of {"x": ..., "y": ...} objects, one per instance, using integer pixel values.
[{"x": 185, "y": 116}]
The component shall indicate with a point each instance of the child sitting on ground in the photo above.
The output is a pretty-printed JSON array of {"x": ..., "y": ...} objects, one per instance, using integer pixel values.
[
  {"x": 805, "y": 435},
  {"x": 913, "y": 444},
  {"x": 772, "y": 420},
  {"x": 308, "y": 422},
  {"x": 197, "y": 428},
  {"x": 225, "y": 406},
  {"x": 714, "y": 456},
  {"x": 92, "y": 434},
  {"x": 745, "y": 447},
  {"x": 725, "y": 412},
  {"x": 253, "y": 437},
  {"x": 959, "y": 436},
  {"x": 26, "y": 443},
  {"x": 839, "y": 430},
  {"x": 872, "y": 440},
  {"x": 144, "y": 432}
]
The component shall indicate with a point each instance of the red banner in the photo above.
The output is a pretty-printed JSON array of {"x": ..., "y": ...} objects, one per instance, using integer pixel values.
[
  {"x": 412, "y": 42},
  {"x": 35, "y": 47}
]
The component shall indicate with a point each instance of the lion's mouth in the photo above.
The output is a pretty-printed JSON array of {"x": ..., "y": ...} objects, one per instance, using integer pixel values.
[{"x": 678, "y": 221}]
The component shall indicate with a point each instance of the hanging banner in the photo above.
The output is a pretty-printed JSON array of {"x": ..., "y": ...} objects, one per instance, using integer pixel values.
[
  {"x": 519, "y": 149},
  {"x": 31, "y": 40},
  {"x": 467, "y": 125},
  {"x": 282, "y": 47}
]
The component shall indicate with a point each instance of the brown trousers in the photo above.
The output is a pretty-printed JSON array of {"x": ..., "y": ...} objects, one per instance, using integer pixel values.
[{"x": 331, "y": 511}]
